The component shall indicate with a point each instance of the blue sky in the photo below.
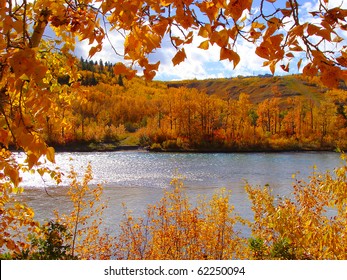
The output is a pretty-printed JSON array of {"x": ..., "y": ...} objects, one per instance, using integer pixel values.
[{"x": 201, "y": 64}]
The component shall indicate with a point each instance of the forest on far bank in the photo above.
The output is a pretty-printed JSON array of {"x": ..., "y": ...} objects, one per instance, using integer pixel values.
[{"x": 261, "y": 113}]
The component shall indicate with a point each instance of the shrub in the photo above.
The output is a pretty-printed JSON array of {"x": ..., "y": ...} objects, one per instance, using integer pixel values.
[
  {"x": 174, "y": 229},
  {"x": 301, "y": 227},
  {"x": 53, "y": 244}
]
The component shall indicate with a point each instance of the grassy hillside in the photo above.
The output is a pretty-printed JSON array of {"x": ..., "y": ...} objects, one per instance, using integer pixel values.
[{"x": 259, "y": 87}]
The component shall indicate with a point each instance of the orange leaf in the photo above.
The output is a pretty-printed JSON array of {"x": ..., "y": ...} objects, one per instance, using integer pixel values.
[
  {"x": 286, "y": 12},
  {"x": 179, "y": 57},
  {"x": 161, "y": 27},
  {"x": 342, "y": 60},
  {"x": 276, "y": 39},
  {"x": 178, "y": 41},
  {"x": 119, "y": 68},
  {"x": 23, "y": 62},
  {"x": 338, "y": 39},
  {"x": 153, "y": 67},
  {"x": 325, "y": 34},
  {"x": 39, "y": 73},
  {"x": 229, "y": 54},
  {"x": 312, "y": 29},
  {"x": 149, "y": 74},
  {"x": 32, "y": 160},
  {"x": 298, "y": 30},
  {"x": 94, "y": 50},
  {"x": 13, "y": 174},
  {"x": 224, "y": 37},
  {"x": 331, "y": 77},
  {"x": 285, "y": 67},
  {"x": 11, "y": 245},
  {"x": 310, "y": 70},
  {"x": 296, "y": 48},
  {"x": 262, "y": 52},
  {"x": 299, "y": 64}
]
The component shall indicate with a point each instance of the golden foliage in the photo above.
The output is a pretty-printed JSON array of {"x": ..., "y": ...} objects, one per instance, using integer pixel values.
[
  {"x": 85, "y": 220},
  {"x": 312, "y": 222},
  {"x": 174, "y": 229}
]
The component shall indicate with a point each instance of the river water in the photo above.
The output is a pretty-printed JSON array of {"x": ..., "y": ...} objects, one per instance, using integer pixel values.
[{"x": 139, "y": 178}]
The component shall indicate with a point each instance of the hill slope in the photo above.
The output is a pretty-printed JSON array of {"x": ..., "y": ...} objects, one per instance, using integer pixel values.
[{"x": 259, "y": 87}]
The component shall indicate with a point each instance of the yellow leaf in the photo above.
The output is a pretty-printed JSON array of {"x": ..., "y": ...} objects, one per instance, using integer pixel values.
[
  {"x": 13, "y": 174},
  {"x": 272, "y": 67},
  {"x": 258, "y": 25},
  {"x": 204, "y": 45},
  {"x": 338, "y": 39},
  {"x": 205, "y": 31},
  {"x": 221, "y": 38},
  {"x": 179, "y": 57},
  {"x": 50, "y": 154}
]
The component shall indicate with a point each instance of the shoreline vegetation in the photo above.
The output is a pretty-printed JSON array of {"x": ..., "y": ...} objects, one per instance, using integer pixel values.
[{"x": 114, "y": 147}]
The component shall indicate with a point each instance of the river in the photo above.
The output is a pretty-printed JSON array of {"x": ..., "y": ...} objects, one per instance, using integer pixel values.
[{"x": 139, "y": 178}]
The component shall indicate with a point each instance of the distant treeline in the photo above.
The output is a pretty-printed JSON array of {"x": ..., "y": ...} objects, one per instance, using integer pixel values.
[{"x": 187, "y": 119}]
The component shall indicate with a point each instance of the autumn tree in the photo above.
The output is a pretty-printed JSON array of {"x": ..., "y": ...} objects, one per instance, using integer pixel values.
[{"x": 31, "y": 62}]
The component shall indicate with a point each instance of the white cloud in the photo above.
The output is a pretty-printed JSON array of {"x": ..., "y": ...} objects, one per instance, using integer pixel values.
[
  {"x": 202, "y": 64},
  {"x": 107, "y": 53},
  {"x": 337, "y": 3},
  {"x": 198, "y": 63}
]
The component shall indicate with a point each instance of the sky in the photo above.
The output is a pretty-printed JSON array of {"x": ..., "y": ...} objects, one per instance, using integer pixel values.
[{"x": 203, "y": 64}]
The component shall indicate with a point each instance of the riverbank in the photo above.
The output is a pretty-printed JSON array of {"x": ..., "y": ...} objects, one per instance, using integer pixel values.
[
  {"x": 110, "y": 147},
  {"x": 95, "y": 147}
]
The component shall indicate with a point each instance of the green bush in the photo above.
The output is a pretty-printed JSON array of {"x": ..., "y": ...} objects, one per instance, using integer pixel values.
[{"x": 52, "y": 245}]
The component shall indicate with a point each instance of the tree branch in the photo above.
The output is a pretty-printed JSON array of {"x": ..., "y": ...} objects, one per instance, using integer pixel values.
[{"x": 39, "y": 28}]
